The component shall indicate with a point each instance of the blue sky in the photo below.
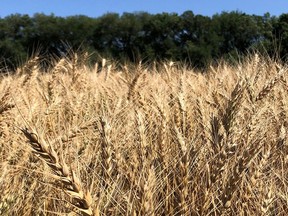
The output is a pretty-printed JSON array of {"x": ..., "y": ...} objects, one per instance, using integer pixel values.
[{"x": 96, "y": 8}]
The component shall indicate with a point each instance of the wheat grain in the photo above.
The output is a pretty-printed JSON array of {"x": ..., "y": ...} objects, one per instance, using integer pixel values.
[
  {"x": 184, "y": 143},
  {"x": 72, "y": 185}
]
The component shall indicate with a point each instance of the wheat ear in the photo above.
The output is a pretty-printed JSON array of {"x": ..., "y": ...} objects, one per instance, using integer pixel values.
[
  {"x": 267, "y": 88},
  {"x": 5, "y": 105},
  {"x": 72, "y": 185}
]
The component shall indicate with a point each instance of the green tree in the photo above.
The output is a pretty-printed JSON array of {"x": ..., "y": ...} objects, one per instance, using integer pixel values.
[
  {"x": 198, "y": 40},
  {"x": 162, "y": 36},
  {"x": 12, "y": 40},
  {"x": 238, "y": 31},
  {"x": 78, "y": 31},
  {"x": 280, "y": 31},
  {"x": 131, "y": 35},
  {"x": 46, "y": 35},
  {"x": 105, "y": 36}
]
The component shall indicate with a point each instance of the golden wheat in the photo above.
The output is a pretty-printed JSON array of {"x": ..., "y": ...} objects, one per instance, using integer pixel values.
[{"x": 144, "y": 140}]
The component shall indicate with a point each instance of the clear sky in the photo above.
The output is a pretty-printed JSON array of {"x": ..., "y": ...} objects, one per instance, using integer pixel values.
[{"x": 96, "y": 8}]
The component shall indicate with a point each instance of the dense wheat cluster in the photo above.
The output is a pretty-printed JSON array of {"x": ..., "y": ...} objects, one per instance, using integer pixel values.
[{"x": 139, "y": 140}]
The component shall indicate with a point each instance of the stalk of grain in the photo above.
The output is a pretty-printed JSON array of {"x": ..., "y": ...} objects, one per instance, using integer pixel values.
[
  {"x": 232, "y": 108},
  {"x": 107, "y": 152},
  {"x": 183, "y": 113},
  {"x": 201, "y": 121},
  {"x": 60, "y": 67},
  {"x": 82, "y": 200},
  {"x": 255, "y": 63},
  {"x": 27, "y": 68},
  {"x": 107, "y": 72},
  {"x": 5, "y": 103},
  {"x": 267, "y": 200},
  {"x": 182, "y": 177},
  {"x": 133, "y": 86},
  {"x": 163, "y": 138},
  {"x": 242, "y": 164},
  {"x": 268, "y": 87},
  {"x": 148, "y": 201},
  {"x": 30, "y": 71},
  {"x": 6, "y": 106},
  {"x": 216, "y": 166},
  {"x": 144, "y": 146}
]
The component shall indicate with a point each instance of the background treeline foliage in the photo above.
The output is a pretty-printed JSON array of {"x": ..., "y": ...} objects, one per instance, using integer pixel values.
[{"x": 195, "y": 39}]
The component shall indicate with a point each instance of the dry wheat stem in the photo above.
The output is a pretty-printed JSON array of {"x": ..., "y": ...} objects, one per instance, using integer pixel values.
[{"x": 72, "y": 186}]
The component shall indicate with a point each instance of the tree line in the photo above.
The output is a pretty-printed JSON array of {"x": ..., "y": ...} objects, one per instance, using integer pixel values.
[{"x": 132, "y": 37}]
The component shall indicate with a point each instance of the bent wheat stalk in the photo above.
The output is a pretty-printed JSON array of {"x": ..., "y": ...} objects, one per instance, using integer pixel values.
[{"x": 72, "y": 185}]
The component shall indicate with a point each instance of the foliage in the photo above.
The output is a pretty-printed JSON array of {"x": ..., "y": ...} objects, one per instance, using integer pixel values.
[{"x": 195, "y": 39}]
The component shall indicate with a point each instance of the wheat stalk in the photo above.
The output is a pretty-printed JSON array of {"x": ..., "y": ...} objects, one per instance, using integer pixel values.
[
  {"x": 268, "y": 87},
  {"x": 82, "y": 200}
]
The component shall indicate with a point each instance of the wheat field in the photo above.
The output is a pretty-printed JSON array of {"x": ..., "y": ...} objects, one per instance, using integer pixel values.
[{"x": 158, "y": 139}]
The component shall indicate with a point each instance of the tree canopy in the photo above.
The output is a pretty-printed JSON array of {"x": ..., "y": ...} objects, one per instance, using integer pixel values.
[{"x": 195, "y": 39}]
